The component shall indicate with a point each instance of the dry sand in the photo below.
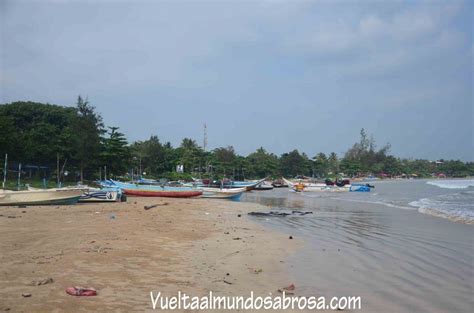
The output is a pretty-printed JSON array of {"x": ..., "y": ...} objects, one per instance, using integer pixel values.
[{"x": 124, "y": 251}]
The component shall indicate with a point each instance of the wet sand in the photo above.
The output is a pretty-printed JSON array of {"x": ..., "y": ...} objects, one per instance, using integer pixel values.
[{"x": 125, "y": 251}]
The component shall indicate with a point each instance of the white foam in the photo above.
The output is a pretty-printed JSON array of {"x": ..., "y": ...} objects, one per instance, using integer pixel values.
[
  {"x": 452, "y": 183},
  {"x": 446, "y": 207},
  {"x": 384, "y": 203}
]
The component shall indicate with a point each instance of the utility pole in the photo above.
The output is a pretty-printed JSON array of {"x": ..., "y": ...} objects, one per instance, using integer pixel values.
[
  {"x": 204, "y": 146},
  {"x": 5, "y": 172},
  {"x": 57, "y": 168}
]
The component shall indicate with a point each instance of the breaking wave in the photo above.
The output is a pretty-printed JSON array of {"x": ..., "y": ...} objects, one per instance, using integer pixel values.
[
  {"x": 458, "y": 207},
  {"x": 452, "y": 183}
]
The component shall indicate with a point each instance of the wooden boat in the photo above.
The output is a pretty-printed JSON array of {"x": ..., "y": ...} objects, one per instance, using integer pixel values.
[
  {"x": 101, "y": 195},
  {"x": 223, "y": 193},
  {"x": 263, "y": 187},
  {"x": 162, "y": 193},
  {"x": 93, "y": 194},
  {"x": 316, "y": 187},
  {"x": 302, "y": 187},
  {"x": 155, "y": 191},
  {"x": 292, "y": 184},
  {"x": 40, "y": 197},
  {"x": 249, "y": 185}
]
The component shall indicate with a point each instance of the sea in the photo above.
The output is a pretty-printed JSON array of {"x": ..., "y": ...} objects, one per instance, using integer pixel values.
[{"x": 406, "y": 246}]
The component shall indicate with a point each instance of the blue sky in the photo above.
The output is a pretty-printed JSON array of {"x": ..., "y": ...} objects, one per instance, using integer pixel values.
[{"x": 278, "y": 74}]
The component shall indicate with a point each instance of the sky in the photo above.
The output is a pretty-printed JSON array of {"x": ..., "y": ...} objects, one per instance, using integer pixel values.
[{"x": 283, "y": 75}]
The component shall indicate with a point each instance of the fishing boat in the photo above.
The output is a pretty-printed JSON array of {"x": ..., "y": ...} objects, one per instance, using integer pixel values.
[
  {"x": 263, "y": 187},
  {"x": 249, "y": 185},
  {"x": 153, "y": 190},
  {"x": 40, "y": 197},
  {"x": 328, "y": 186},
  {"x": 279, "y": 183},
  {"x": 109, "y": 194},
  {"x": 102, "y": 195},
  {"x": 223, "y": 193},
  {"x": 361, "y": 188},
  {"x": 302, "y": 187},
  {"x": 306, "y": 184}
]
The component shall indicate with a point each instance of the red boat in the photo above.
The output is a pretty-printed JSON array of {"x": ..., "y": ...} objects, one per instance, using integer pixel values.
[{"x": 162, "y": 193}]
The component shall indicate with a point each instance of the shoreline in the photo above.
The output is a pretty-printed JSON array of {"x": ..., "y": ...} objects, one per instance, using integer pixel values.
[{"x": 125, "y": 252}]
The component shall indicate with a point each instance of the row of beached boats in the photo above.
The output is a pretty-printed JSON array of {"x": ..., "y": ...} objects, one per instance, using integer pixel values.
[
  {"x": 343, "y": 185},
  {"x": 114, "y": 191}
]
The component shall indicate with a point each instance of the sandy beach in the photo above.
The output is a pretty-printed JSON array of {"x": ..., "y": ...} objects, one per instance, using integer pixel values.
[{"x": 125, "y": 251}]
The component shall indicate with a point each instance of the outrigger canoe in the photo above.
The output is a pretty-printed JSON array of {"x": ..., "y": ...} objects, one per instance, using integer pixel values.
[
  {"x": 223, "y": 193},
  {"x": 162, "y": 193},
  {"x": 153, "y": 190}
]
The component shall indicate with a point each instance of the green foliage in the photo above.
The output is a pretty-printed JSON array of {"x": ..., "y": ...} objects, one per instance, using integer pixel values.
[
  {"x": 35, "y": 133},
  {"x": 294, "y": 163},
  {"x": 115, "y": 152}
]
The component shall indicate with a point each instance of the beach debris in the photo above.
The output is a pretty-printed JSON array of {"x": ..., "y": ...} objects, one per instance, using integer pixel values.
[
  {"x": 207, "y": 213},
  {"x": 291, "y": 237},
  {"x": 279, "y": 214},
  {"x": 288, "y": 289},
  {"x": 26, "y": 295},
  {"x": 239, "y": 215},
  {"x": 257, "y": 271},
  {"x": 23, "y": 211},
  {"x": 227, "y": 274},
  {"x": 81, "y": 291},
  {"x": 147, "y": 207},
  {"x": 45, "y": 281},
  {"x": 226, "y": 233},
  {"x": 227, "y": 282},
  {"x": 236, "y": 238},
  {"x": 112, "y": 216},
  {"x": 301, "y": 212}
]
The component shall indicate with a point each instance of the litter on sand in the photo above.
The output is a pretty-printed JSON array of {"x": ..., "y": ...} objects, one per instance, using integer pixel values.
[{"x": 81, "y": 291}]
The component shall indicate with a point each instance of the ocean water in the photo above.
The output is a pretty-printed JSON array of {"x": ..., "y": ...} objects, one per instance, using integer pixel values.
[{"x": 407, "y": 246}]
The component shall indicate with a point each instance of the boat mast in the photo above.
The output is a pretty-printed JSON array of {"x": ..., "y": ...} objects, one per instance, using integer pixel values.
[{"x": 5, "y": 172}]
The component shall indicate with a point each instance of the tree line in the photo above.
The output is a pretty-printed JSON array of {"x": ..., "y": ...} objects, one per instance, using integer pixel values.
[{"x": 38, "y": 135}]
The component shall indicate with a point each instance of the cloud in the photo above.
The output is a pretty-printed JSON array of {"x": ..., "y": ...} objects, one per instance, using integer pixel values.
[{"x": 314, "y": 64}]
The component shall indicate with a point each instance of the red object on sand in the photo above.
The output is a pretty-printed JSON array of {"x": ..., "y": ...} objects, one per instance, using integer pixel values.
[{"x": 81, "y": 291}]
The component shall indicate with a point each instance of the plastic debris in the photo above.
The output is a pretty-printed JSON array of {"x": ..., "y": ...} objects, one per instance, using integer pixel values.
[{"x": 81, "y": 291}]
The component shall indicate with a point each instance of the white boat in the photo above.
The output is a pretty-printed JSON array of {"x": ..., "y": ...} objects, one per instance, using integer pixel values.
[
  {"x": 100, "y": 195},
  {"x": 39, "y": 197},
  {"x": 321, "y": 188},
  {"x": 315, "y": 187},
  {"x": 92, "y": 194},
  {"x": 292, "y": 184},
  {"x": 222, "y": 193}
]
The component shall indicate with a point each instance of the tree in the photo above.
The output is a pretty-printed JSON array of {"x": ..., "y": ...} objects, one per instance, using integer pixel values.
[
  {"x": 115, "y": 151},
  {"x": 88, "y": 128},
  {"x": 224, "y": 160},
  {"x": 262, "y": 164},
  {"x": 320, "y": 164},
  {"x": 293, "y": 163},
  {"x": 333, "y": 163}
]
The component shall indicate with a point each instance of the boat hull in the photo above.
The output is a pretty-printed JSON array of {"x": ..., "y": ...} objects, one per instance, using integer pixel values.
[
  {"x": 161, "y": 193},
  {"x": 217, "y": 193},
  {"x": 99, "y": 196},
  {"x": 40, "y": 197}
]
